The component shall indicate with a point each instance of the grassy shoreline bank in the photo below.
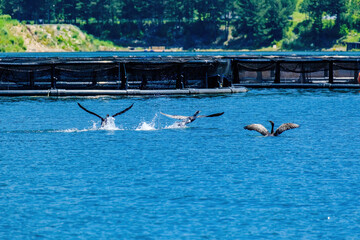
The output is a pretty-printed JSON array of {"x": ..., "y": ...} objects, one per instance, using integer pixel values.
[{"x": 20, "y": 37}]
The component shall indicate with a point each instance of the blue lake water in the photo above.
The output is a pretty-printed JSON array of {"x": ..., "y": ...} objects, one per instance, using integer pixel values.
[{"x": 64, "y": 178}]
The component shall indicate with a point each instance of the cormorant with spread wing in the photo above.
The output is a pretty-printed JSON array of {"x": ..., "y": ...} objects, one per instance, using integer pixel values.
[
  {"x": 261, "y": 129},
  {"x": 190, "y": 119},
  {"x": 104, "y": 120}
]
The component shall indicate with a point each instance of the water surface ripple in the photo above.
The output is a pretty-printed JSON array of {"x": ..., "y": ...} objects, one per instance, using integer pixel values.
[{"x": 64, "y": 177}]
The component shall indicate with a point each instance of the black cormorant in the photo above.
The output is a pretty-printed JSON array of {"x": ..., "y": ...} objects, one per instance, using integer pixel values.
[
  {"x": 104, "y": 120},
  {"x": 261, "y": 129},
  {"x": 190, "y": 119}
]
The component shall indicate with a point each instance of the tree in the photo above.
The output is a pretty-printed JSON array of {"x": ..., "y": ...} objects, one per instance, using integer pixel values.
[
  {"x": 338, "y": 9},
  {"x": 277, "y": 19},
  {"x": 352, "y": 14},
  {"x": 209, "y": 10},
  {"x": 14, "y": 8},
  {"x": 251, "y": 23},
  {"x": 315, "y": 10}
]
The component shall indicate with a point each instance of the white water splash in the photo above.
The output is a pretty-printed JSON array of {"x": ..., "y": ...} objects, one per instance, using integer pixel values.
[
  {"x": 144, "y": 126},
  {"x": 110, "y": 125},
  {"x": 177, "y": 125},
  {"x": 72, "y": 130}
]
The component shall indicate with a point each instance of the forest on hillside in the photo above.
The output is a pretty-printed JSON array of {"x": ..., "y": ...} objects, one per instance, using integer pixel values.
[{"x": 250, "y": 24}]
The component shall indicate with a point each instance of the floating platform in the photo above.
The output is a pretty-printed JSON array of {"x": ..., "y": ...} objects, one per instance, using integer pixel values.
[
  {"x": 171, "y": 73},
  {"x": 130, "y": 92},
  {"x": 300, "y": 85}
]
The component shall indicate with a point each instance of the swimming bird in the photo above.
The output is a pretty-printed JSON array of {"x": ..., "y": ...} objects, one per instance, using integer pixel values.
[
  {"x": 104, "y": 120},
  {"x": 190, "y": 119},
  {"x": 261, "y": 129}
]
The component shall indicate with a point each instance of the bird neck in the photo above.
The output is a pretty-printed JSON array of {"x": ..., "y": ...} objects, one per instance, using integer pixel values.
[{"x": 272, "y": 127}]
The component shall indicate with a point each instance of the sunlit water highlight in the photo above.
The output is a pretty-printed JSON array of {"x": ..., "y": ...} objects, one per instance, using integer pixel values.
[{"x": 63, "y": 176}]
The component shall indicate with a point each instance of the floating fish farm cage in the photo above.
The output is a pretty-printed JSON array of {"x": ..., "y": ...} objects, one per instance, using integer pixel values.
[
  {"x": 294, "y": 72},
  {"x": 125, "y": 73},
  {"x": 176, "y": 73}
]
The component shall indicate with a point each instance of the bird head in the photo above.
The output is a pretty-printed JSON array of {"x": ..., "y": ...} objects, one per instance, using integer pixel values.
[
  {"x": 196, "y": 113},
  {"x": 272, "y": 123}
]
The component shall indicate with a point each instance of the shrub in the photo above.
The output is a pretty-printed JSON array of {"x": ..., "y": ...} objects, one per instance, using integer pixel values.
[
  {"x": 5, "y": 17},
  {"x": 344, "y": 31}
]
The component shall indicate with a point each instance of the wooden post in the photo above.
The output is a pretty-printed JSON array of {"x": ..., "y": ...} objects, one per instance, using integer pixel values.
[
  {"x": 235, "y": 68},
  {"x": 119, "y": 75},
  {"x": 53, "y": 78},
  {"x": 94, "y": 80},
  {"x": 206, "y": 80},
  {"x": 124, "y": 83},
  {"x": 277, "y": 72},
  {"x": 143, "y": 82},
  {"x": 31, "y": 79},
  {"x": 303, "y": 76},
  {"x": 179, "y": 78},
  {"x": 356, "y": 76},
  {"x": 184, "y": 80},
  {"x": 331, "y": 72}
]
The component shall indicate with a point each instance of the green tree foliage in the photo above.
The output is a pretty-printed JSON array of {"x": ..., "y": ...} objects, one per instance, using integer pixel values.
[
  {"x": 277, "y": 16},
  {"x": 324, "y": 25},
  {"x": 261, "y": 22},
  {"x": 253, "y": 23},
  {"x": 352, "y": 14},
  {"x": 315, "y": 10}
]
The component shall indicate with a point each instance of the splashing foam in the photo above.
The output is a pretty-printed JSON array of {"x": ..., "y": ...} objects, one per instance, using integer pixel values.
[
  {"x": 110, "y": 125},
  {"x": 71, "y": 130},
  {"x": 144, "y": 126},
  {"x": 176, "y": 125}
]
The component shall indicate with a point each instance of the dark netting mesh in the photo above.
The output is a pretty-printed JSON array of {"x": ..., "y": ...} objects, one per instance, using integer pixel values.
[
  {"x": 303, "y": 67},
  {"x": 256, "y": 76},
  {"x": 296, "y": 71},
  {"x": 150, "y": 74},
  {"x": 347, "y": 65},
  {"x": 87, "y": 76},
  {"x": 256, "y": 66},
  {"x": 24, "y": 76},
  {"x": 346, "y": 76},
  {"x": 171, "y": 72},
  {"x": 304, "y": 72},
  {"x": 170, "y": 75}
]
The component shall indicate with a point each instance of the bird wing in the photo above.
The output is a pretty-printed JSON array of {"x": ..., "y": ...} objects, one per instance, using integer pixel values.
[
  {"x": 257, "y": 127},
  {"x": 175, "y": 116},
  {"x": 211, "y": 115},
  {"x": 284, "y": 127},
  {"x": 90, "y": 112},
  {"x": 123, "y": 111}
]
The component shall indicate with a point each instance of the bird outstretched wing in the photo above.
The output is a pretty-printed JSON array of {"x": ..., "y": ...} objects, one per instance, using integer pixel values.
[
  {"x": 91, "y": 112},
  {"x": 284, "y": 127},
  {"x": 175, "y": 116},
  {"x": 211, "y": 115},
  {"x": 257, "y": 127},
  {"x": 123, "y": 111}
]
